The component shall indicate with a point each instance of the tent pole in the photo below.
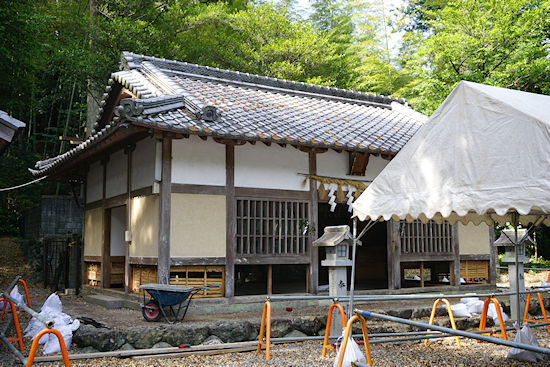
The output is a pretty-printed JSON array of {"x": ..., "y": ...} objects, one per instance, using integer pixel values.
[
  {"x": 352, "y": 285},
  {"x": 516, "y": 253}
]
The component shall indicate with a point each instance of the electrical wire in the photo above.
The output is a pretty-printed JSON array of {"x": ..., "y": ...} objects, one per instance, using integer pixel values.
[{"x": 23, "y": 185}]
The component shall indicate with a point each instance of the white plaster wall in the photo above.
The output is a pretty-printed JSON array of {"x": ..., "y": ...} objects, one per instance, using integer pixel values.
[
  {"x": 145, "y": 223},
  {"x": 273, "y": 167},
  {"x": 474, "y": 240},
  {"x": 198, "y": 162},
  {"x": 94, "y": 184},
  {"x": 93, "y": 232},
  {"x": 198, "y": 226},
  {"x": 116, "y": 174},
  {"x": 334, "y": 164},
  {"x": 143, "y": 164},
  {"x": 118, "y": 226}
]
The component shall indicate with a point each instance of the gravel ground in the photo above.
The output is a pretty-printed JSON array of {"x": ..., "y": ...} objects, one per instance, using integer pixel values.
[
  {"x": 442, "y": 352},
  {"x": 436, "y": 353}
]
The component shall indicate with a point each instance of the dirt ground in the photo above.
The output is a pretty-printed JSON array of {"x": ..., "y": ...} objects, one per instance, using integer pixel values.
[{"x": 12, "y": 264}]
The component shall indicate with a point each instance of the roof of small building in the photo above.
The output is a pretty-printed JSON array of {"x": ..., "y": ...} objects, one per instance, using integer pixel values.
[
  {"x": 188, "y": 99},
  {"x": 8, "y": 129}
]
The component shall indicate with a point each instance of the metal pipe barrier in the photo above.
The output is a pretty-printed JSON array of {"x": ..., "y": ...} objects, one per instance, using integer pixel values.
[
  {"x": 34, "y": 346},
  {"x": 22, "y": 306},
  {"x": 483, "y": 320},
  {"x": 9, "y": 289},
  {"x": 16, "y": 306},
  {"x": 266, "y": 322},
  {"x": 542, "y": 310},
  {"x": 455, "y": 332},
  {"x": 329, "y": 320},
  {"x": 15, "y": 318},
  {"x": 389, "y": 337},
  {"x": 449, "y": 312},
  {"x": 346, "y": 337}
]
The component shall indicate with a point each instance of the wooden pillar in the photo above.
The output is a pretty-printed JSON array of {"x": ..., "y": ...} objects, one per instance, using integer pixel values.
[
  {"x": 422, "y": 274},
  {"x": 456, "y": 250},
  {"x": 394, "y": 254},
  {"x": 270, "y": 279},
  {"x": 314, "y": 223},
  {"x": 128, "y": 240},
  {"x": 105, "y": 248},
  {"x": 165, "y": 204},
  {"x": 231, "y": 220}
]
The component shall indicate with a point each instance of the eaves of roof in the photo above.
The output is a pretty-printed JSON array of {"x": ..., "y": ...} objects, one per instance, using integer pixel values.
[{"x": 184, "y": 99}]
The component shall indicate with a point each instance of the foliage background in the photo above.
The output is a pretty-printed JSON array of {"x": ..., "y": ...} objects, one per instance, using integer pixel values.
[{"x": 57, "y": 55}]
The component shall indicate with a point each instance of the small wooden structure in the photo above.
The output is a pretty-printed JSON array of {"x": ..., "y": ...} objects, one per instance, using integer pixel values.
[{"x": 9, "y": 127}]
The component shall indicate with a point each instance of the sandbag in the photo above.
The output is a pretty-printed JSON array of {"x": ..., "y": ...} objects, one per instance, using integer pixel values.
[
  {"x": 475, "y": 306},
  {"x": 351, "y": 354},
  {"x": 525, "y": 336},
  {"x": 492, "y": 312},
  {"x": 14, "y": 293},
  {"x": 63, "y": 323},
  {"x": 460, "y": 310}
]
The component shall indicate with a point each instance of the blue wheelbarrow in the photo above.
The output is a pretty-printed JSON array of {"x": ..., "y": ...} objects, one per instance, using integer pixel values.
[{"x": 167, "y": 295}]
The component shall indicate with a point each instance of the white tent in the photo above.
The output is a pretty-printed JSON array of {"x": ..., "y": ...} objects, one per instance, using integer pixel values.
[{"x": 483, "y": 156}]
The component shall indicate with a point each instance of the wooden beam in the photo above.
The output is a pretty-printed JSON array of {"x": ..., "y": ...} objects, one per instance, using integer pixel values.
[
  {"x": 271, "y": 193},
  {"x": 270, "y": 279},
  {"x": 105, "y": 248},
  {"x": 422, "y": 274},
  {"x": 197, "y": 189},
  {"x": 456, "y": 247},
  {"x": 258, "y": 259},
  {"x": 359, "y": 162},
  {"x": 128, "y": 151},
  {"x": 231, "y": 220},
  {"x": 165, "y": 205},
  {"x": 317, "y": 150},
  {"x": 313, "y": 268},
  {"x": 153, "y": 352},
  {"x": 394, "y": 252}
]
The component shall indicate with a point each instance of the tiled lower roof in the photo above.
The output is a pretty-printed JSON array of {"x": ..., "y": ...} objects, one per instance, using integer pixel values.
[{"x": 192, "y": 99}]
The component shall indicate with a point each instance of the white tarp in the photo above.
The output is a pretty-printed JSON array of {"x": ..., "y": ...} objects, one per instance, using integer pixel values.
[{"x": 483, "y": 154}]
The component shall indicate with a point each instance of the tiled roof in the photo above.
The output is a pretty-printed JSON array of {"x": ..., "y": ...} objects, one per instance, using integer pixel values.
[{"x": 192, "y": 99}]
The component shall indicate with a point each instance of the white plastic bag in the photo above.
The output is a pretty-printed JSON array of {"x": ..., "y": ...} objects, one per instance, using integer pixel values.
[
  {"x": 351, "y": 354},
  {"x": 51, "y": 345},
  {"x": 51, "y": 310},
  {"x": 17, "y": 296},
  {"x": 460, "y": 310},
  {"x": 475, "y": 307},
  {"x": 492, "y": 312},
  {"x": 525, "y": 336},
  {"x": 469, "y": 299}
]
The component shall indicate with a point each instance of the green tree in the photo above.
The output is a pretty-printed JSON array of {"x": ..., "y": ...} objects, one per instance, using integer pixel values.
[{"x": 502, "y": 43}]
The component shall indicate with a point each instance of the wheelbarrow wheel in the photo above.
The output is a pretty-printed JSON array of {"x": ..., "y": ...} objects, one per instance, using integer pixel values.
[{"x": 151, "y": 311}]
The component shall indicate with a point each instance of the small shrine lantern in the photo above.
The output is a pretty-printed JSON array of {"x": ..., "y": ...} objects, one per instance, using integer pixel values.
[
  {"x": 337, "y": 240},
  {"x": 515, "y": 269}
]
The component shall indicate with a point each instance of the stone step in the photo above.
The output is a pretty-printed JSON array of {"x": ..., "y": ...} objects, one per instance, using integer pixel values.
[{"x": 104, "y": 301}]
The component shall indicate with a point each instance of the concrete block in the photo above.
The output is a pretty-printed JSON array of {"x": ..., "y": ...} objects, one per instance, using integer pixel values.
[{"x": 104, "y": 301}]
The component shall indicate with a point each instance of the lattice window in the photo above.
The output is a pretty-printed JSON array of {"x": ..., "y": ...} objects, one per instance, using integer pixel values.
[
  {"x": 417, "y": 237},
  {"x": 272, "y": 227}
]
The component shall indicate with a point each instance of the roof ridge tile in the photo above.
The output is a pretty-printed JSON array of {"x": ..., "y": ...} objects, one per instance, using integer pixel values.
[{"x": 131, "y": 61}]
